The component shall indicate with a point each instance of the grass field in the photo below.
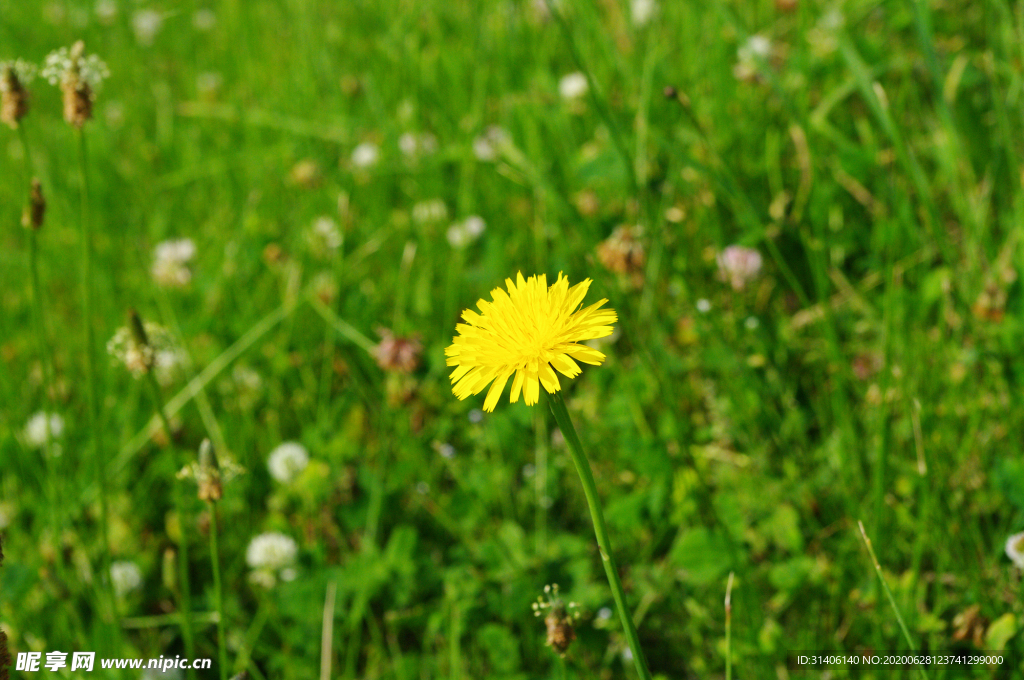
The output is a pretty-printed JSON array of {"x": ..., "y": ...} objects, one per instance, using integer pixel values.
[{"x": 806, "y": 215}]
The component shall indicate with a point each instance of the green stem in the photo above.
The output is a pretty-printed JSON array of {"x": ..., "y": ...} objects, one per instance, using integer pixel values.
[
  {"x": 888, "y": 594},
  {"x": 91, "y": 379},
  {"x": 561, "y": 414},
  {"x": 222, "y": 658},
  {"x": 185, "y": 596}
]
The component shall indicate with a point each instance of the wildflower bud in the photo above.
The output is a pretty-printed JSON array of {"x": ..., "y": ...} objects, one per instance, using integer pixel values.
[
  {"x": 13, "y": 97},
  {"x": 210, "y": 487},
  {"x": 32, "y": 217}
]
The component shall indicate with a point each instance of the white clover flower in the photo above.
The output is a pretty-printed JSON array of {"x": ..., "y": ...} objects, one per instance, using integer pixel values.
[
  {"x": 642, "y": 11},
  {"x": 488, "y": 145},
  {"x": 35, "y": 429},
  {"x": 739, "y": 265},
  {"x": 703, "y": 305},
  {"x": 146, "y": 23},
  {"x": 204, "y": 19},
  {"x": 324, "y": 236},
  {"x": 125, "y": 576},
  {"x": 573, "y": 86},
  {"x": 1015, "y": 549},
  {"x": 287, "y": 461},
  {"x": 433, "y": 210},
  {"x": 365, "y": 155},
  {"x": 170, "y": 262}
]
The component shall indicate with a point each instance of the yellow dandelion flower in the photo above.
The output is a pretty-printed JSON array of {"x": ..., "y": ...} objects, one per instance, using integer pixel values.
[{"x": 529, "y": 331}]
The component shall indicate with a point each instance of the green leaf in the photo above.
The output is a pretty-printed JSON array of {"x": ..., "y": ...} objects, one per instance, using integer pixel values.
[
  {"x": 702, "y": 554},
  {"x": 1000, "y": 631}
]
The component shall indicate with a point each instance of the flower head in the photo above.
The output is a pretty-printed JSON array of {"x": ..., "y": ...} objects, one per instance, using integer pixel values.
[
  {"x": 287, "y": 461},
  {"x": 271, "y": 555},
  {"x": 142, "y": 347},
  {"x": 573, "y": 85},
  {"x": 365, "y": 155},
  {"x": 13, "y": 97},
  {"x": 125, "y": 576},
  {"x": 170, "y": 262},
  {"x": 739, "y": 265},
  {"x": 1015, "y": 549},
  {"x": 397, "y": 354},
  {"x": 35, "y": 428},
  {"x": 78, "y": 76},
  {"x": 528, "y": 331}
]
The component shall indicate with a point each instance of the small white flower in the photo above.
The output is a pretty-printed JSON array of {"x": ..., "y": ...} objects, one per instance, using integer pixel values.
[
  {"x": 287, "y": 461},
  {"x": 642, "y": 11},
  {"x": 703, "y": 306},
  {"x": 146, "y": 24},
  {"x": 170, "y": 262},
  {"x": 204, "y": 19},
  {"x": 271, "y": 550},
  {"x": 750, "y": 55},
  {"x": 487, "y": 146},
  {"x": 1015, "y": 549},
  {"x": 324, "y": 235},
  {"x": 58, "y": 65},
  {"x": 365, "y": 155},
  {"x": 125, "y": 576},
  {"x": 476, "y": 415},
  {"x": 433, "y": 210},
  {"x": 604, "y": 613},
  {"x": 751, "y": 323},
  {"x": 106, "y": 11},
  {"x": 463, "y": 233},
  {"x": 412, "y": 144},
  {"x": 445, "y": 449},
  {"x": 35, "y": 429},
  {"x": 573, "y": 86}
]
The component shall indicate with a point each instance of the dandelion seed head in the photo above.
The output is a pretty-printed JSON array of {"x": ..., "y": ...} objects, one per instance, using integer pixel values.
[
  {"x": 529, "y": 331},
  {"x": 271, "y": 555},
  {"x": 287, "y": 461}
]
